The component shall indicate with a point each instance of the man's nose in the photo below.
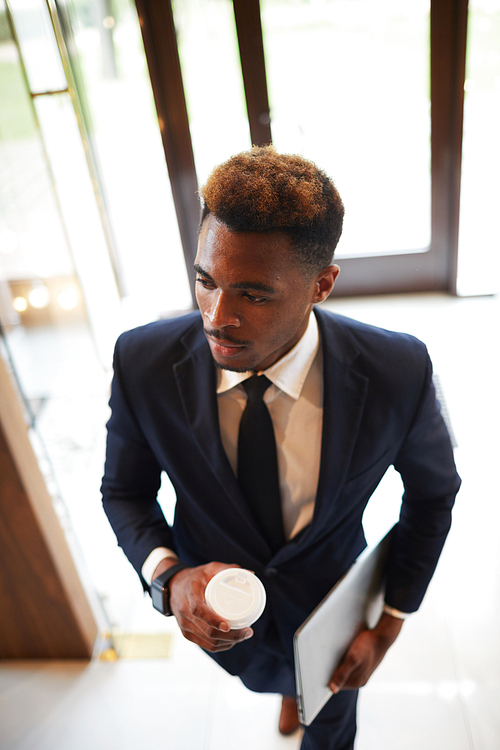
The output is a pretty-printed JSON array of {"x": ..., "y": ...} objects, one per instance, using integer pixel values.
[{"x": 221, "y": 312}]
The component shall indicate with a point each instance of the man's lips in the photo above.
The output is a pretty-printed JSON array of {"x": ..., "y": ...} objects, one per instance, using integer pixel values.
[{"x": 225, "y": 347}]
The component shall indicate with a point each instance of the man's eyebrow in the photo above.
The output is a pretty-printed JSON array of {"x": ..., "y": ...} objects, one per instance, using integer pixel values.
[
  {"x": 200, "y": 270},
  {"x": 257, "y": 286}
]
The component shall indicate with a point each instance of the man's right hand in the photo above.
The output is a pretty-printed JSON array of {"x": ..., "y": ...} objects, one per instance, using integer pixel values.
[{"x": 199, "y": 623}]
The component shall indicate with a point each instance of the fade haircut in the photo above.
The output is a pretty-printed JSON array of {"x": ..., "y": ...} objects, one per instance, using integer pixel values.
[{"x": 263, "y": 191}]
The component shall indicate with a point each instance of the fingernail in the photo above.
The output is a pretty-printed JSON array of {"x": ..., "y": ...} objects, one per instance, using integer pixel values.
[
  {"x": 334, "y": 688},
  {"x": 248, "y": 634},
  {"x": 224, "y": 626}
]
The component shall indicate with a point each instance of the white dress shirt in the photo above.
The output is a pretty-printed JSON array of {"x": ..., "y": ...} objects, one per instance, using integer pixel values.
[{"x": 295, "y": 403}]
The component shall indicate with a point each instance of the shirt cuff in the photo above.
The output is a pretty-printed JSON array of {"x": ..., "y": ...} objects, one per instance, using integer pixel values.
[
  {"x": 395, "y": 612},
  {"x": 153, "y": 560}
]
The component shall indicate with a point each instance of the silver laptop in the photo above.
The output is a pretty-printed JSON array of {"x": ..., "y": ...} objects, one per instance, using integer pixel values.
[{"x": 322, "y": 640}]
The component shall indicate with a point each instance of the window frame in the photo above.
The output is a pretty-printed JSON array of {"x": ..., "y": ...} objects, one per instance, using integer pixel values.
[{"x": 434, "y": 269}]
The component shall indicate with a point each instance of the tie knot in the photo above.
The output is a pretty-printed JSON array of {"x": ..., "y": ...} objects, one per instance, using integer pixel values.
[{"x": 255, "y": 387}]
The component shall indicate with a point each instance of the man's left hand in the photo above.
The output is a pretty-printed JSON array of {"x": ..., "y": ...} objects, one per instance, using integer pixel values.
[{"x": 365, "y": 654}]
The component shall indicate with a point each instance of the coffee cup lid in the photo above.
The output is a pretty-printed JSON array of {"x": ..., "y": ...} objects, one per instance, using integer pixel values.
[{"x": 237, "y": 595}]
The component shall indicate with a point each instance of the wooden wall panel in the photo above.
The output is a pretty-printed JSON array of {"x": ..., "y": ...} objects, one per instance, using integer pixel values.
[{"x": 44, "y": 612}]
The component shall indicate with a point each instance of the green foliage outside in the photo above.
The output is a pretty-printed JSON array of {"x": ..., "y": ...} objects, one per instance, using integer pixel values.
[
  {"x": 16, "y": 114},
  {"x": 4, "y": 27}
]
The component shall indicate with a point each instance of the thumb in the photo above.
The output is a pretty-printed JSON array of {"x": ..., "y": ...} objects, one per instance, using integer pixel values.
[{"x": 342, "y": 674}]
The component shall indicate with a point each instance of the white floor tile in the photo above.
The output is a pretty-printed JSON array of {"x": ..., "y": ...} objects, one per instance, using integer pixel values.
[
  {"x": 29, "y": 693},
  {"x": 483, "y": 708},
  {"x": 119, "y": 706},
  {"x": 411, "y": 716},
  {"x": 247, "y": 720}
]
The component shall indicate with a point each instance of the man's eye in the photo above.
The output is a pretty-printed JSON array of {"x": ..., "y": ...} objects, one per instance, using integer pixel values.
[
  {"x": 253, "y": 298},
  {"x": 205, "y": 282}
]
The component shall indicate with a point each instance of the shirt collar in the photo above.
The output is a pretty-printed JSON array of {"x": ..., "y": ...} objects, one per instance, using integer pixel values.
[{"x": 289, "y": 372}]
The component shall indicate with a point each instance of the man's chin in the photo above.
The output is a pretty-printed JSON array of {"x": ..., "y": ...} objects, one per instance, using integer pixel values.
[{"x": 232, "y": 368}]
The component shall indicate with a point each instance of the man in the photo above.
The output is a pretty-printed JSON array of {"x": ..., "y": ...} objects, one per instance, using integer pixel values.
[{"x": 346, "y": 401}]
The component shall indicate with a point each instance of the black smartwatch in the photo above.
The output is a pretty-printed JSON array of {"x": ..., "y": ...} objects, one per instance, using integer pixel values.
[{"x": 160, "y": 593}]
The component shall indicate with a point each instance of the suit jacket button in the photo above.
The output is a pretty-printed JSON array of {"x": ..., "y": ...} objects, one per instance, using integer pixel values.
[{"x": 270, "y": 572}]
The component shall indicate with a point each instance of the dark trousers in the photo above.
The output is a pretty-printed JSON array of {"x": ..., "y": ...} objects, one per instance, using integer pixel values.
[{"x": 334, "y": 728}]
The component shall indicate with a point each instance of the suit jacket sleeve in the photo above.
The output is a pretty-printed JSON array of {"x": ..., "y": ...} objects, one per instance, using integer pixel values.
[
  {"x": 425, "y": 462},
  {"x": 131, "y": 480}
]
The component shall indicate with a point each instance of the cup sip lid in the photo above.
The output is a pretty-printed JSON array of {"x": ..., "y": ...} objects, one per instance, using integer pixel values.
[{"x": 237, "y": 595}]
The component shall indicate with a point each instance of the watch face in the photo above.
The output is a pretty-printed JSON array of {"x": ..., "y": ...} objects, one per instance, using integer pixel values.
[{"x": 157, "y": 597}]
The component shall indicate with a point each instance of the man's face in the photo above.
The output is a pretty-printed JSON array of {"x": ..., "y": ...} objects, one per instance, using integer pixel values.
[{"x": 254, "y": 300}]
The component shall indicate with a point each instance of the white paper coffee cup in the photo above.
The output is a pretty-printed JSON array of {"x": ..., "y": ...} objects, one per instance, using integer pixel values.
[{"x": 237, "y": 595}]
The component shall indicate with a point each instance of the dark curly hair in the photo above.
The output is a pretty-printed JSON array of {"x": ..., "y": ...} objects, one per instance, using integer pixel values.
[{"x": 263, "y": 191}]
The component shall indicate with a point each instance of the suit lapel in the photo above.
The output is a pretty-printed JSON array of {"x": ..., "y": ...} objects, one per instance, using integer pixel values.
[
  {"x": 344, "y": 398},
  {"x": 343, "y": 408},
  {"x": 196, "y": 379}
]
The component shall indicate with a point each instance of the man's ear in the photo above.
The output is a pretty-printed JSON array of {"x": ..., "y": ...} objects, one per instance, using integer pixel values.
[{"x": 324, "y": 282}]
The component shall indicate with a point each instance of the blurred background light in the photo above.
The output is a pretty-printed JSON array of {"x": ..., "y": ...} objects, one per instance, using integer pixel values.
[
  {"x": 39, "y": 297},
  {"x": 68, "y": 299},
  {"x": 20, "y": 304}
]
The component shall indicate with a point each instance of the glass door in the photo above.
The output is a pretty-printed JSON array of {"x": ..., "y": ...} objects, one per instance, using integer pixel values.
[
  {"x": 479, "y": 239},
  {"x": 64, "y": 297},
  {"x": 349, "y": 88},
  {"x": 46, "y": 338},
  {"x": 372, "y": 92}
]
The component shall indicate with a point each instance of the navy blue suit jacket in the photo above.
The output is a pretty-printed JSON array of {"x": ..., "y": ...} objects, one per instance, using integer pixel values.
[{"x": 379, "y": 409}]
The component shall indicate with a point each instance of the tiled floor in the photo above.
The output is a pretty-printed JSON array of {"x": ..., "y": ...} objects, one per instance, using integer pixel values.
[{"x": 439, "y": 686}]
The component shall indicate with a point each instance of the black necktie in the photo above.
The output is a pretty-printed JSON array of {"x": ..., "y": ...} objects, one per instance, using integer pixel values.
[{"x": 257, "y": 462}]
